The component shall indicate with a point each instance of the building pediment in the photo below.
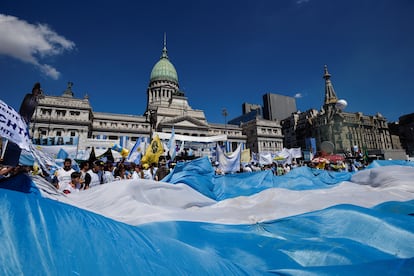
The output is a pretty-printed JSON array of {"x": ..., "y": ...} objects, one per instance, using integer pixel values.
[{"x": 183, "y": 121}]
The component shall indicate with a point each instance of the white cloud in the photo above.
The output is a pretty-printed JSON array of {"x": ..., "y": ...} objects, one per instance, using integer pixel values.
[
  {"x": 30, "y": 43},
  {"x": 298, "y": 95},
  {"x": 302, "y": 1}
]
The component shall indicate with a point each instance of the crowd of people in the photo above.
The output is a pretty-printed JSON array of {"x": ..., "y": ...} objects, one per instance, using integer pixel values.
[
  {"x": 279, "y": 168},
  {"x": 91, "y": 174}
]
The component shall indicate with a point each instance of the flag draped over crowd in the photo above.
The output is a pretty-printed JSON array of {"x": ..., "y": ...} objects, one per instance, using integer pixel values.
[{"x": 307, "y": 222}]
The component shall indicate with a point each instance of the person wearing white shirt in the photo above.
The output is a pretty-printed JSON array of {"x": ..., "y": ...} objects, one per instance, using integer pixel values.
[
  {"x": 108, "y": 175},
  {"x": 63, "y": 175},
  {"x": 74, "y": 185},
  {"x": 94, "y": 174}
]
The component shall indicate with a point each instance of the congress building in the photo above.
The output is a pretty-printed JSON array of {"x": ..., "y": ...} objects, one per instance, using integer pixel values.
[{"x": 68, "y": 120}]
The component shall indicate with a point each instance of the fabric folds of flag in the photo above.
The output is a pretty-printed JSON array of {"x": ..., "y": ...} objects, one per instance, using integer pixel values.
[
  {"x": 154, "y": 151},
  {"x": 46, "y": 162},
  {"x": 62, "y": 154}
]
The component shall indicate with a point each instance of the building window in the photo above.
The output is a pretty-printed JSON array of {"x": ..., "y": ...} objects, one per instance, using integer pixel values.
[
  {"x": 46, "y": 111},
  {"x": 60, "y": 112}
]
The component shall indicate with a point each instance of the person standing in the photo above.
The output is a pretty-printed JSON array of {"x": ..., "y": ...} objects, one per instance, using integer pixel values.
[
  {"x": 63, "y": 175},
  {"x": 74, "y": 185},
  {"x": 94, "y": 173},
  {"x": 85, "y": 177},
  {"x": 138, "y": 172},
  {"x": 108, "y": 175},
  {"x": 147, "y": 171},
  {"x": 162, "y": 171}
]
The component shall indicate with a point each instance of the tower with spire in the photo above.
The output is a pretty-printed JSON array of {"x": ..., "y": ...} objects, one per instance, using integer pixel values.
[
  {"x": 329, "y": 104},
  {"x": 330, "y": 95}
]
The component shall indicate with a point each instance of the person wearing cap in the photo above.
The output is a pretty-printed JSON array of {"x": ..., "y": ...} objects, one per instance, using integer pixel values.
[{"x": 94, "y": 173}]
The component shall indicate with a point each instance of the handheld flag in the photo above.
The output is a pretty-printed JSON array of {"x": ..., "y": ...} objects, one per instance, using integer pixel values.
[
  {"x": 245, "y": 156},
  {"x": 12, "y": 127},
  {"x": 153, "y": 152},
  {"x": 136, "y": 152},
  {"x": 229, "y": 163},
  {"x": 172, "y": 145}
]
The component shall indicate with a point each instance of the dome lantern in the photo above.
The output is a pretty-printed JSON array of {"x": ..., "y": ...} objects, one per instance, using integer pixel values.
[{"x": 164, "y": 69}]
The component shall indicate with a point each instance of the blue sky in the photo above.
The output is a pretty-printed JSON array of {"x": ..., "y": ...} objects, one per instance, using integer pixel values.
[{"x": 225, "y": 52}]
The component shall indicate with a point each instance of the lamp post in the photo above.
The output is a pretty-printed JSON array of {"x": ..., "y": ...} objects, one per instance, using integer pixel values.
[
  {"x": 150, "y": 117},
  {"x": 225, "y": 113}
]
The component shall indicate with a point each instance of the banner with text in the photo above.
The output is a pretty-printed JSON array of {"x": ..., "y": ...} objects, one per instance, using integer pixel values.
[{"x": 12, "y": 127}]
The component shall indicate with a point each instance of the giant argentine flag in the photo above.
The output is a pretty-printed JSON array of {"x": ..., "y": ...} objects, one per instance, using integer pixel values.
[{"x": 307, "y": 222}]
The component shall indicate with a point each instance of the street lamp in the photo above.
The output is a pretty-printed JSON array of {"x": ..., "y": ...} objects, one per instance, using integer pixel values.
[
  {"x": 151, "y": 118},
  {"x": 225, "y": 113}
]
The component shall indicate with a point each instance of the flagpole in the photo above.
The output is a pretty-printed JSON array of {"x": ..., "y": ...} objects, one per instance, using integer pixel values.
[
  {"x": 77, "y": 148},
  {"x": 3, "y": 150}
]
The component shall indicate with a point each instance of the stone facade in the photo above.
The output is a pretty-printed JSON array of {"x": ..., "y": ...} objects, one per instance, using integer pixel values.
[
  {"x": 348, "y": 132},
  {"x": 404, "y": 129},
  {"x": 263, "y": 135},
  {"x": 167, "y": 108}
]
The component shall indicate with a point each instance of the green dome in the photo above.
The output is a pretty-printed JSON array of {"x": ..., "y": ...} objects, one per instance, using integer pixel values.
[{"x": 164, "y": 69}]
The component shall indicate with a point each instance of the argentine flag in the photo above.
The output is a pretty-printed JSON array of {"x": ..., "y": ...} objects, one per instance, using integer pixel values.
[
  {"x": 306, "y": 222},
  {"x": 172, "y": 145},
  {"x": 135, "y": 154}
]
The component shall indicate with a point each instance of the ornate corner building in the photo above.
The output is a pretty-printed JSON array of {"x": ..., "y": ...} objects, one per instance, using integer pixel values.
[{"x": 348, "y": 132}]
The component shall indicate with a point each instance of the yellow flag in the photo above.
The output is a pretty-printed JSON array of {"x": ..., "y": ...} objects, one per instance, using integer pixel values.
[
  {"x": 153, "y": 152},
  {"x": 245, "y": 156}
]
